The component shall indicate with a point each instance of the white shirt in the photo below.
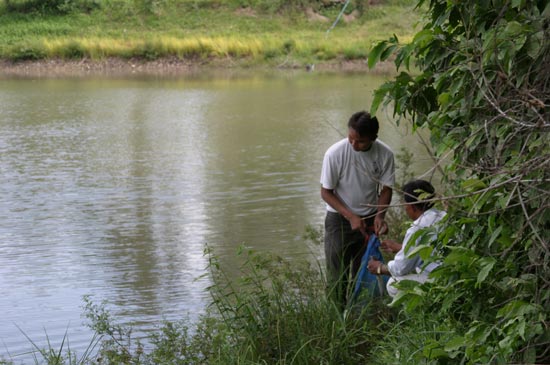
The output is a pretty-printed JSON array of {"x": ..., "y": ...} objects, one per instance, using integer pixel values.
[
  {"x": 403, "y": 265},
  {"x": 354, "y": 176}
]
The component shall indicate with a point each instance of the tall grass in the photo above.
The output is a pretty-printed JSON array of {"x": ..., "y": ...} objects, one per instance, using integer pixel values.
[
  {"x": 57, "y": 355},
  {"x": 279, "y": 314},
  {"x": 254, "y": 49}
]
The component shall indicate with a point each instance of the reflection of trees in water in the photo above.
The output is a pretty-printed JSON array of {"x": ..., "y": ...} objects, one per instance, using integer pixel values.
[
  {"x": 149, "y": 232},
  {"x": 131, "y": 237}
]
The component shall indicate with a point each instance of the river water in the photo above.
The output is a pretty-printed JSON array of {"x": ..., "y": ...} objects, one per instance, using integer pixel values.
[{"x": 111, "y": 187}]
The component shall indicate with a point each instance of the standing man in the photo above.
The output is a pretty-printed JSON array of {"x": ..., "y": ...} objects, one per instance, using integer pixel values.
[{"x": 356, "y": 179}]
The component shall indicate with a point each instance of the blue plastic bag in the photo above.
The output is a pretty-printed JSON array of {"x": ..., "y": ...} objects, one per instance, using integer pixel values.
[{"x": 375, "y": 284}]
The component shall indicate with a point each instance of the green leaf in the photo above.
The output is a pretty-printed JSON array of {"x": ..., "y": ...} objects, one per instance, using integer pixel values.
[
  {"x": 516, "y": 3},
  {"x": 444, "y": 99},
  {"x": 487, "y": 265},
  {"x": 513, "y": 28},
  {"x": 423, "y": 250},
  {"x": 460, "y": 256},
  {"x": 473, "y": 185},
  {"x": 387, "y": 52},
  {"x": 455, "y": 343},
  {"x": 516, "y": 308},
  {"x": 404, "y": 56},
  {"x": 495, "y": 235},
  {"x": 441, "y": 149},
  {"x": 517, "y": 34},
  {"x": 521, "y": 329},
  {"x": 479, "y": 332},
  {"x": 379, "y": 95},
  {"x": 534, "y": 44},
  {"x": 374, "y": 54},
  {"x": 434, "y": 350},
  {"x": 408, "y": 295},
  {"x": 422, "y": 38}
]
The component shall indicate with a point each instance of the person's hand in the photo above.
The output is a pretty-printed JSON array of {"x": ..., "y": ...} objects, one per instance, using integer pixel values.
[
  {"x": 380, "y": 226},
  {"x": 390, "y": 246},
  {"x": 374, "y": 266},
  {"x": 358, "y": 224}
]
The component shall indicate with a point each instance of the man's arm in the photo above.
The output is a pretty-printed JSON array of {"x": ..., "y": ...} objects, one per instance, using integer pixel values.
[
  {"x": 390, "y": 246},
  {"x": 384, "y": 200},
  {"x": 355, "y": 221}
]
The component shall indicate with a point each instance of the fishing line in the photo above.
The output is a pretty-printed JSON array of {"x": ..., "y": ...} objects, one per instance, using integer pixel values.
[{"x": 337, "y": 18}]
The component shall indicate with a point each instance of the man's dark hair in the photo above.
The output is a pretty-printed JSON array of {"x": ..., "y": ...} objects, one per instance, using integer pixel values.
[
  {"x": 364, "y": 124},
  {"x": 413, "y": 189}
]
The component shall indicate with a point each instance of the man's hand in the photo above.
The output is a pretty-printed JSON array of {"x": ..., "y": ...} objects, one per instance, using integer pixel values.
[
  {"x": 358, "y": 224},
  {"x": 380, "y": 226},
  {"x": 373, "y": 265},
  {"x": 390, "y": 246},
  {"x": 377, "y": 267}
]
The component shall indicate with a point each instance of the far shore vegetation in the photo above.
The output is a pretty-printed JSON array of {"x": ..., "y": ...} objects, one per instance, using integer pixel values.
[{"x": 276, "y": 33}]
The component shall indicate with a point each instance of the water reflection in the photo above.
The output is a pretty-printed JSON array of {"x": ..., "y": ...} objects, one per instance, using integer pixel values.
[{"x": 112, "y": 188}]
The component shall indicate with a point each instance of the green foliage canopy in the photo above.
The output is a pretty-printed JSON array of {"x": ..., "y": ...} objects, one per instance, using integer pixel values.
[{"x": 478, "y": 76}]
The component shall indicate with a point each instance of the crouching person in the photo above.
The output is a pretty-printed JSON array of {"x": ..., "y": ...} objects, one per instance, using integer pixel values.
[{"x": 418, "y": 195}]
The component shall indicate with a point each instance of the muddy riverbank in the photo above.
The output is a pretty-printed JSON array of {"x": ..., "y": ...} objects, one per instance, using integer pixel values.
[{"x": 163, "y": 67}]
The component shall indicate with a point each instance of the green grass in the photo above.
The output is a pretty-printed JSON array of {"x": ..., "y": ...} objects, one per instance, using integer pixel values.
[{"x": 196, "y": 29}]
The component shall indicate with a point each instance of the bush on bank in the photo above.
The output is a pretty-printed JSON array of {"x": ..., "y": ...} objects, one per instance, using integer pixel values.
[{"x": 482, "y": 87}]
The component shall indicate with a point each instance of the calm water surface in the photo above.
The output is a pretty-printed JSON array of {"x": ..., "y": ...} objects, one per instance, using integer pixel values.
[{"x": 112, "y": 187}]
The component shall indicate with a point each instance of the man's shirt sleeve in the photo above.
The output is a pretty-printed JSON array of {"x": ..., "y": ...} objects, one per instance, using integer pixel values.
[
  {"x": 388, "y": 172},
  {"x": 329, "y": 172}
]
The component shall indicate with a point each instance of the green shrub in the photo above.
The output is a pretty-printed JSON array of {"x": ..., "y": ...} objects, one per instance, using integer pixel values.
[
  {"x": 149, "y": 50},
  {"x": 84, "y": 6},
  {"x": 51, "y": 6},
  {"x": 355, "y": 53},
  {"x": 73, "y": 50},
  {"x": 289, "y": 46},
  {"x": 27, "y": 53},
  {"x": 464, "y": 77},
  {"x": 324, "y": 53},
  {"x": 271, "y": 53}
]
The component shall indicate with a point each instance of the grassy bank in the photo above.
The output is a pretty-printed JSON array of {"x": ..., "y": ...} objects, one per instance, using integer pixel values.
[{"x": 203, "y": 31}]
